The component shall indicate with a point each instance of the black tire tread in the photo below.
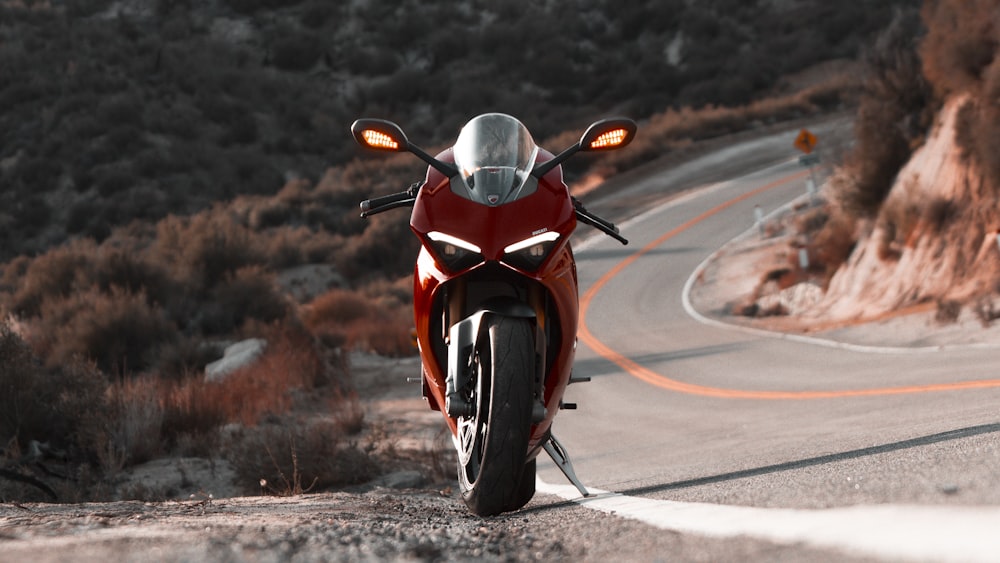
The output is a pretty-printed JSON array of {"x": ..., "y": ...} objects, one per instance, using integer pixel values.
[{"x": 497, "y": 488}]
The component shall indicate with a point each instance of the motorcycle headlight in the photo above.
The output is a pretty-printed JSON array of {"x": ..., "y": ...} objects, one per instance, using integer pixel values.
[
  {"x": 455, "y": 253},
  {"x": 529, "y": 253}
]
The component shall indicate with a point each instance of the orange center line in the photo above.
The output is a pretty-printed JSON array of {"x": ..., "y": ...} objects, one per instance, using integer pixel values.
[{"x": 644, "y": 374}]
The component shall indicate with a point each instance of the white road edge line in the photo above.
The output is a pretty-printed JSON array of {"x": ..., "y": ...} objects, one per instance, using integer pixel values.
[{"x": 921, "y": 533}]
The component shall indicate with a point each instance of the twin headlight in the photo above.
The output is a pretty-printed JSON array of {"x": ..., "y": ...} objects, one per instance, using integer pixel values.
[{"x": 458, "y": 254}]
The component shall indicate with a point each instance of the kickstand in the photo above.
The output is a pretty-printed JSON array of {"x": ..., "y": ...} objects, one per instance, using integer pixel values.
[{"x": 558, "y": 454}]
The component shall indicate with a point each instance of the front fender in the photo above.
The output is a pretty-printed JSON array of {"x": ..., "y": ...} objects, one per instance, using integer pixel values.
[{"x": 462, "y": 339}]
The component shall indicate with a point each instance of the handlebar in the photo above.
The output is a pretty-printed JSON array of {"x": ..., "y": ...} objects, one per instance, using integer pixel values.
[
  {"x": 409, "y": 197},
  {"x": 603, "y": 225},
  {"x": 391, "y": 201}
]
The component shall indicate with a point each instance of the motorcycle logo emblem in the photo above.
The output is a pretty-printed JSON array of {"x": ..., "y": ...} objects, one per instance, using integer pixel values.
[{"x": 493, "y": 198}]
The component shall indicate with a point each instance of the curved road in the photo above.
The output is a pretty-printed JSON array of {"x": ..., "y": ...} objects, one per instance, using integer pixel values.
[{"x": 685, "y": 412}]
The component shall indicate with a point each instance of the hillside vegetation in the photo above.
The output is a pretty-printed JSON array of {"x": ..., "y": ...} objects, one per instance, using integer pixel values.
[
  {"x": 118, "y": 111},
  {"x": 168, "y": 165}
]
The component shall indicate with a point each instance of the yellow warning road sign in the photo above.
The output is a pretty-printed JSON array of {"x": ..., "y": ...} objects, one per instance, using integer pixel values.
[{"x": 806, "y": 141}]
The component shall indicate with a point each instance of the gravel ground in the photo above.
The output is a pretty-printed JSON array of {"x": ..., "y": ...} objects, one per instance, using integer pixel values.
[{"x": 381, "y": 525}]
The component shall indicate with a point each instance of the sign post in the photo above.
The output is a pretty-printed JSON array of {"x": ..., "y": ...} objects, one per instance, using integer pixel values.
[{"x": 806, "y": 142}]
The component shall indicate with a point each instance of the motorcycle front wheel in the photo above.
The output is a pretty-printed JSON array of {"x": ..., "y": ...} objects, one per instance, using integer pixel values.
[{"x": 492, "y": 444}]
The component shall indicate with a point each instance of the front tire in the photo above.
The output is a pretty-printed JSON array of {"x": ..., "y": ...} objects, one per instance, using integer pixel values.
[{"x": 492, "y": 443}]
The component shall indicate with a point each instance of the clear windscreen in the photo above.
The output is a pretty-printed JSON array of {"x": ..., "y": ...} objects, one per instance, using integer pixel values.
[{"x": 494, "y": 154}]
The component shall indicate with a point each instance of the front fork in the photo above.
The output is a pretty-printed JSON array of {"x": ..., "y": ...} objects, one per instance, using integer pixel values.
[
  {"x": 462, "y": 340},
  {"x": 464, "y": 335}
]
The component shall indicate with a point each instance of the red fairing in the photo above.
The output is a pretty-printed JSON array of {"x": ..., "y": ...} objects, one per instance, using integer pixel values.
[
  {"x": 438, "y": 208},
  {"x": 494, "y": 228}
]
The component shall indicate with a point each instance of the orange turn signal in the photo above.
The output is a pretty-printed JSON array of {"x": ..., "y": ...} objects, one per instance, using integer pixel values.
[
  {"x": 610, "y": 139},
  {"x": 379, "y": 140}
]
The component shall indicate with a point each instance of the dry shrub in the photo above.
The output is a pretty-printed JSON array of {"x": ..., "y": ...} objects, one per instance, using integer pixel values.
[
  {"x": 940, "y": 213},
  {"x": 43, "y": 404},
  {"x": 133, "y": 434},
  {"x": 379, "y": 324},
  {"x": 986, "y": 310},
  {"x": 184, "y": 356},
  {"x": 287, "y": 247},
  {"x": 155, "y": 414},
  {"x": 811, "y": 220},
  {"x": 899, "y": 221},
  {"x": 120, "y": 331},
  {"x": 53, "y": 274},
  {"x": 248, "y": 293},
  {"x": 272, "y": 214},
  {"x": 896, "y": 110},
  {"x": 961, "y": 42},
  {"x": 297, "y": 456},
  {"x": 134, "y": 273},
  {"x": 832, "y": 244},
  {"x": 948, "y": 311},
  {"x": 961, "y": 54},
  {"x": 290, "y": 365},
  {"x": 193, "y": 410},
  {"x": 64, "y": 407},
  {"x": 206, "y": 248},
  {"x": 339, "y": 306},
  {"x": 386, "y": 248}
]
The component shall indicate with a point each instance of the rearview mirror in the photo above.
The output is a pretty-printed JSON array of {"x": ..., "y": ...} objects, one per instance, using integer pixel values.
[
  {"x": 380, "y": 135},
  {"x": 383, "y": 135},
  {"x": 608, "y": 134},
  {"x": 604, "y": 135}
]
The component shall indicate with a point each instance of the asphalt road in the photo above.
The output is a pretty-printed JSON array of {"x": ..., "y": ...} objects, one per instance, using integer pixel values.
[{"x": 893, "y": 455}]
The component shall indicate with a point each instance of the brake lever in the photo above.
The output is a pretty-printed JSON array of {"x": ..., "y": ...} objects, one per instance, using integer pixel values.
[{"x": 607, "y": 227}]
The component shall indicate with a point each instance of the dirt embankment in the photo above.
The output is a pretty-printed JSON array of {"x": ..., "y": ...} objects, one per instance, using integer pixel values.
[
  {"x": 925, "y": 272},
  {"x": 934, "y": 240}
]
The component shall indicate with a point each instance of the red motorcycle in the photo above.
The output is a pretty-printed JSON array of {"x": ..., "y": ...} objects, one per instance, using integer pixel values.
[{"x": 495, "y": 293}]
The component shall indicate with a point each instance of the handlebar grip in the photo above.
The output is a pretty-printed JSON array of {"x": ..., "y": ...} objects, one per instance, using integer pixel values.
[{"x": 376, "y": 202}]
